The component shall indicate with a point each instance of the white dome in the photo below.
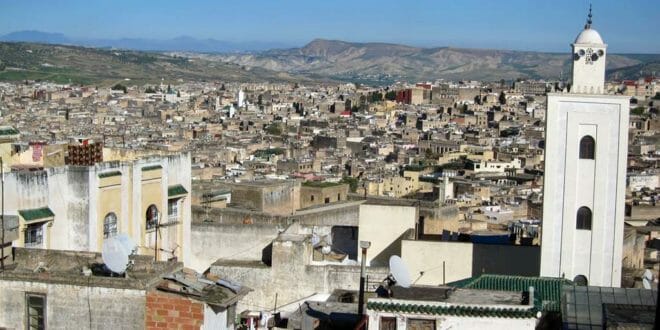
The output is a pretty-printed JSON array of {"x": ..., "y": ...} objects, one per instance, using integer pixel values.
[{"x": 589, "y": 36}]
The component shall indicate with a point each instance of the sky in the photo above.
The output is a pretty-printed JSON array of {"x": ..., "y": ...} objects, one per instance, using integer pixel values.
[{"x": 627, "y": 26}]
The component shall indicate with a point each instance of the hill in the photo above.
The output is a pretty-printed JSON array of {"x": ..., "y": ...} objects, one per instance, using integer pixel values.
[
  {"x": 385, "y": 63},
  {"x": 63, "y": 64}
]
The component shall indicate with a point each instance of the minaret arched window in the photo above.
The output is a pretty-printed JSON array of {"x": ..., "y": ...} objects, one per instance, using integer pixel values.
[
  {"x": 587, "y": 147},
  {"x": 583, "y": 220},
  {"x": 110, "y": 225},
  {"x": 152, "y": 216}
]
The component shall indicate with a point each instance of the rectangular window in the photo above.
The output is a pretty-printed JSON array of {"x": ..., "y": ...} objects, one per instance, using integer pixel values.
[
  {"x": 34, "y": 235},
  {"x": 419, "y": 324},
  {"x": 387, "y": 323},
  {"x": 36, "y": 311},
  {"x": 173, "y": 209}
]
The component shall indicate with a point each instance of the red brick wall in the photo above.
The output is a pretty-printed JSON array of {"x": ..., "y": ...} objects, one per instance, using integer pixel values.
[{"x": 170, "y": 311}]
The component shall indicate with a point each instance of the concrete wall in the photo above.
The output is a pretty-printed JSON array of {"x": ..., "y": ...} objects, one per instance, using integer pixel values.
[
  {"x": 463, "y": 260},
  {"x": 428, "y": 257},
  {"x": 310, "y": 196},
  {"x": 70, "y": 306},
  {"x": 291, "y": 277},
  {"x": 211, "y": 242},
  {"x": 384, "y": 226},
  {"x": 453, "y": 322}
]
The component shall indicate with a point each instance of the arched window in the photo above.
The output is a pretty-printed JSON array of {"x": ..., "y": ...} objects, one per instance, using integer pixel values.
[
  {"x": 581, "y": 280},
  {"x": 152, "y": 216},
  {"x": 110, "y": 225},
  {"x": 583, "y": 218},
  {"x": 587, "y": 147}
]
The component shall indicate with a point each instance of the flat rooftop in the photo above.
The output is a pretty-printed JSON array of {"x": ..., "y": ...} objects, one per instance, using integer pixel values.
[{"x": 66, "y": 267}]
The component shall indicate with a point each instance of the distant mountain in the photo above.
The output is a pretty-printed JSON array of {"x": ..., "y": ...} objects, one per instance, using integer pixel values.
[
  {"x": 36, "y": 36},
  {"x": 84, "y": 65},
  {"x": 181, "y": 43},
  {"x": 385, "y": 63}
]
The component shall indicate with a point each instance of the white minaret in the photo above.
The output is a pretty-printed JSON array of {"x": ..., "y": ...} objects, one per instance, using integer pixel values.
[
  {"x": 585, "y": 170},
  {"x": 588, "y": 61}
]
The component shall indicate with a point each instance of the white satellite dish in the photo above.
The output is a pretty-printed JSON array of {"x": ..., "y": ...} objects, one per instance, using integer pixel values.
[
  {"x": 399, "y": 272},
  {"x": 114, "y": 255},
  {"x": 648, "y": 274},
  {"x": 129, "y": 245},
  {"x": 647, "y": 279}
]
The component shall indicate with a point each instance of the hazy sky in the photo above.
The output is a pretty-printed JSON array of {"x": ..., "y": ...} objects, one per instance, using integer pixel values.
[{"x": 546, "y": 25}]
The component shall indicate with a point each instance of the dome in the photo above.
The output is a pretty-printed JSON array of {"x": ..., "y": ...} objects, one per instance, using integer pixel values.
[{"x": 589, "y": 36}]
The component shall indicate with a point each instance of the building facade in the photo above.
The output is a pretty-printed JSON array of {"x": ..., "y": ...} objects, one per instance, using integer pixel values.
[{"x": 77, "y": 207}]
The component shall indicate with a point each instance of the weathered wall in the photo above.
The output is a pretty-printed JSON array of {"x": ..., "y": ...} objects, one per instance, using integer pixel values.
[
  {"x": 310, "y": 196},
  {"x": 211, "y": 242},
  {"x": 69, "y": 306},
  {"x": 290, "y": 276},
  {"x": 518, "y": 260},
  {"x": 428, "y": 257},
  {"x": 384, "y": 225}
]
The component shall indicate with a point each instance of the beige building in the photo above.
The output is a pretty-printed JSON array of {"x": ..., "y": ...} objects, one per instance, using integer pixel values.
[
  {"x": 318, "y": 193},
  {"x": 77, "y": 207}
]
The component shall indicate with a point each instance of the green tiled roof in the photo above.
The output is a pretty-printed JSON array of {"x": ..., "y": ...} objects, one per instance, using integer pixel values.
[
  {"x": 176, "y": 190},
  {"x": 547, "y": 290},
  {"x": 466, "y": 311},
  {"x": 109, "y": 174},
  {"x": 36, "y": 214},
  {"x": 152, "y": 167},
  {"x": 8, "y": 130}
]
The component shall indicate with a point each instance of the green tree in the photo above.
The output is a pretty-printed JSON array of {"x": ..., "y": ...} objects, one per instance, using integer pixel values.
[
  {"x": 502, "y": 98},
  {"x": 351, "y": 181},
  {"x": 150, "y": 90},
  {"x": 637, "y": 111},
  {"x": 2, "y": 66},
  {"x": 390, "y": 96},
  {"x": 274, "y": 129},
  {"x": 119, "y": 87}
]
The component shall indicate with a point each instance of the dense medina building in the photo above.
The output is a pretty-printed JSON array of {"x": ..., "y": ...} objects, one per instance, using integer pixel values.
[{"x": 585, "y": 172}]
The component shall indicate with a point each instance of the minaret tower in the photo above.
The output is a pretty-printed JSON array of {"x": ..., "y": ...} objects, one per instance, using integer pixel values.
[
  {"x": 588, "y": 61},
  {"x": 585, "y": 170}
]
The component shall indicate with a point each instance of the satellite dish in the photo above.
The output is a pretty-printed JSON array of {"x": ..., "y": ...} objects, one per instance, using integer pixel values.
[
  {"x": 648, "y": 274},
  {"x": 129, "y": 245},
  {"x": 399, "y": 272},
  {"x": 646, "y": 283},
  {"x": 114, "y": 255}
]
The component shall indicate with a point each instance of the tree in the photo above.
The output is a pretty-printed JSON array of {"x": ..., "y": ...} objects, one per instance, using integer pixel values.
[
  {"x": 150, "y": 90},
  {"x": 657, "y": 96},
  {"x": 637, "y": 111},
  {"x": 352, "y": 183},
  {"x": 477, "y": 100},
  {"x": 169, "y": 89},
  {"x": 119, "y": 87},
  {"x": 2, "y": 66},
  {"x": 390, "y": 96},
  {"x": 178, "y": 94},
  {"x": 502, "y": 98}
]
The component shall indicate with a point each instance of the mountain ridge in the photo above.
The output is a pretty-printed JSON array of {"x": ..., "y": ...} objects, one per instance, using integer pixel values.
[{"x": 386, "y": 63}]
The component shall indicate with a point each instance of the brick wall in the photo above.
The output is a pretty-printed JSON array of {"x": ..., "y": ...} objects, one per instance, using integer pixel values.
[{"x": 169, "y": 311}]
